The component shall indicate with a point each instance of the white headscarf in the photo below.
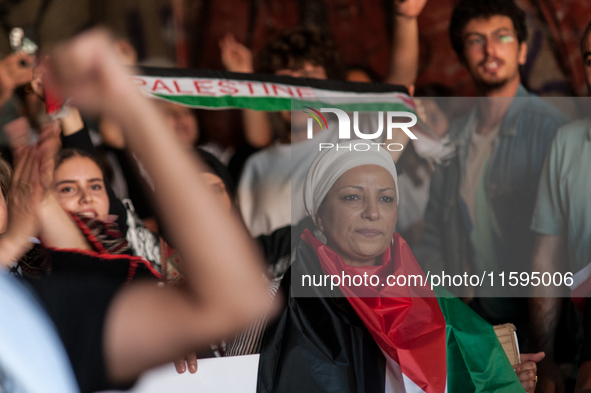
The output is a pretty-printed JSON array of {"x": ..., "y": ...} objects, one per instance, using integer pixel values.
[{"x": 331, "y": 164}]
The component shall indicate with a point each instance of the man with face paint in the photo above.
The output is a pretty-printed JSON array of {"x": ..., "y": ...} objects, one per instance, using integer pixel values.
[
  {"x": 481, "y": 201},
  {"x": 562, "y": 224}
]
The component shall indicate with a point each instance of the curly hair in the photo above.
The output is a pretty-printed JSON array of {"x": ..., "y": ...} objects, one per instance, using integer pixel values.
[
  {"x": 467, "y": 10},
  {"x": 5, "y": 176},
  {"x": 292, "y": 48}
]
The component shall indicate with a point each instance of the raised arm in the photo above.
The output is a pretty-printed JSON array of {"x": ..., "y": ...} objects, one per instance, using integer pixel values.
[
  {"x": 404, "y": 55},
  {"x": 57, "y": 229},
  {"x": 225, "y": 284},
  {"x": 238, "y": 58},
  {"x": 74, "y": 135}
]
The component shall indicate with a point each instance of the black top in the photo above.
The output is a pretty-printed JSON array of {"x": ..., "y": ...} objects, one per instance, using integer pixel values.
[
  {"x": 586, "y": 351},
  {"x": 318, "y": 343},
  {"x": 77, "y": 296},
  {"x": 78, "y": 306},
  {"x": 278, "y": 246}
]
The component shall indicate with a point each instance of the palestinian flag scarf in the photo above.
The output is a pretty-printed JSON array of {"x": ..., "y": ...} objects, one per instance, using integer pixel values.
[
  {"x": 349, "y": 339},
  {"x": 110, "y": 256},
  {"x": 214, "y": 89}
]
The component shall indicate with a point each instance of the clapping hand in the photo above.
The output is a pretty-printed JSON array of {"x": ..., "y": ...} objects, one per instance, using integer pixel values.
[{"x": 23, "y": 200}]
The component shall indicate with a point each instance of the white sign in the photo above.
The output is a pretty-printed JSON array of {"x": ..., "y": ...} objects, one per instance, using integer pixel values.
[{"x": 236, "y": 374}]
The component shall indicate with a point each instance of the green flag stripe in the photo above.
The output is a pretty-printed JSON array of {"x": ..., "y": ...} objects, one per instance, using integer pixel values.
[
  {"x": 476, "y": 361},
  {"x": 275, "y": 103}
]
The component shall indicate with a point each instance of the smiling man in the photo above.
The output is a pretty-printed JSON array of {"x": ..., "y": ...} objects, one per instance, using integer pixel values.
[{"x": 481, "y": 201}]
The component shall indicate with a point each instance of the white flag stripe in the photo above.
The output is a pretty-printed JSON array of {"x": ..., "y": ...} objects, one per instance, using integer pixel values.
[{"x": 397, "y": 382}]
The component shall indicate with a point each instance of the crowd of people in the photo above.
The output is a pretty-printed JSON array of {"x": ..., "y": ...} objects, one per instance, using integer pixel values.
[{"x": 126, "y": 245}]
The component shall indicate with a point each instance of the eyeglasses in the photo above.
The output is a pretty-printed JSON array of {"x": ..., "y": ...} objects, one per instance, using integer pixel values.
[{"x": 500, "y": 37}]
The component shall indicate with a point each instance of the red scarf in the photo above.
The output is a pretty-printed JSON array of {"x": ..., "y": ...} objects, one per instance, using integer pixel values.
[
  {"x": 406, "y": 321},
  {"x": 108, "y": 244}
]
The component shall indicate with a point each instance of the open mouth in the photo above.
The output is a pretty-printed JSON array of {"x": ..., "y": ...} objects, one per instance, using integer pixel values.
[
  {"x": 491, "y": 66},
  {"x": 87, "y": 214}
]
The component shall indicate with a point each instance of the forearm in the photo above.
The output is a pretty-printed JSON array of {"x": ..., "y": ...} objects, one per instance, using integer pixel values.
[
  {"x": 190, "y": 211},
  {"x": 404, "y": 57},
  {"x": 225, "y": 286},
  {"x": 78, "y": 138},
  {"x": 57, "y": 228},
  {"x": 545, "y": 304},
  {"x": 544, "y": 314},
  {"x": 257, "y": 129},
  {"x": 72, "y": 122}
]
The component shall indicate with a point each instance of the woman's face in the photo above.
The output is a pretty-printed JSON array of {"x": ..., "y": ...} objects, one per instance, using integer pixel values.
[
  {"x": 80, "y": 188},
  {"x": 359, "y": 214},
  {"x": 183, "y": 121}
]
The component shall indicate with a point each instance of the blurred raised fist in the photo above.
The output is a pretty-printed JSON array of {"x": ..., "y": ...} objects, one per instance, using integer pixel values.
[
  {"x": 15, "y": 70},
  {"x": 88, "y": 71},
  {"x": 235, "y": 56},
  {"x": 409, "y": 8}
]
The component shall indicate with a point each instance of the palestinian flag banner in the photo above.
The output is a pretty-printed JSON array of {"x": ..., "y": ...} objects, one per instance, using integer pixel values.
[
  {"x": 222, "y": 90},
  {"x": 336, "y": 342}
]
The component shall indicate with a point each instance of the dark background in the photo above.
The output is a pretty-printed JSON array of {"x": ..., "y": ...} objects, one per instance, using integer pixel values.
[{"x": 186, "y": 32}]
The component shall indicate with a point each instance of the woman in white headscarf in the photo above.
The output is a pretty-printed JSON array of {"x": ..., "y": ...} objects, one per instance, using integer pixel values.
[{"x": 347, "y": 324}]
